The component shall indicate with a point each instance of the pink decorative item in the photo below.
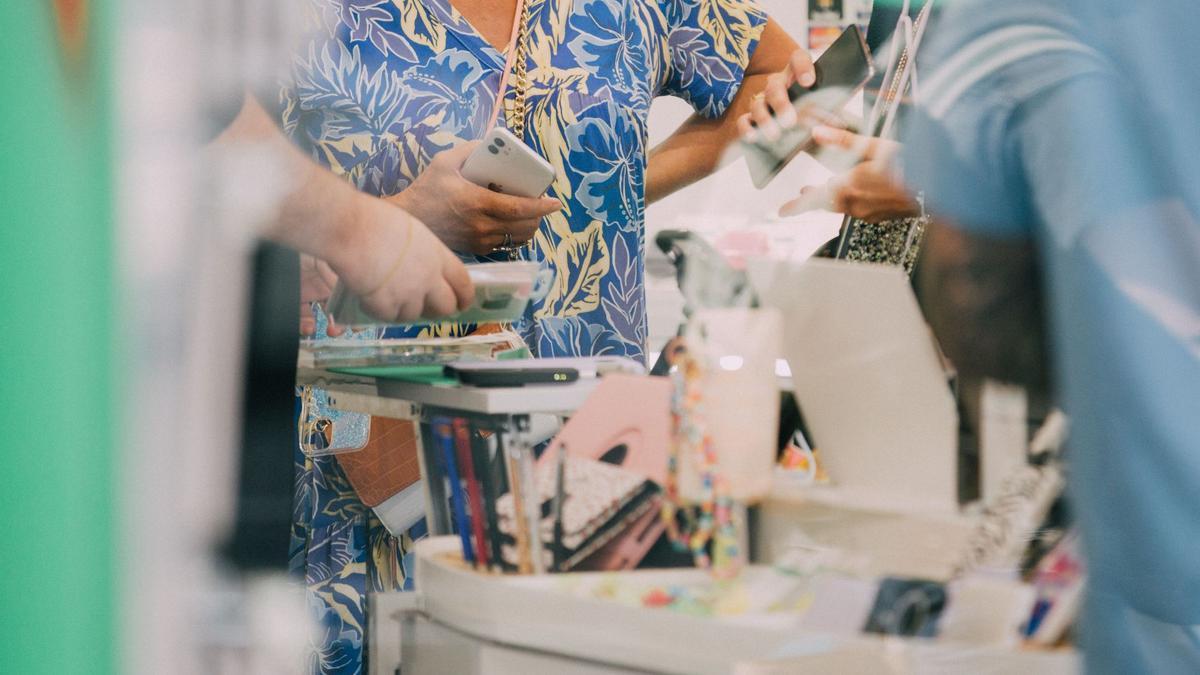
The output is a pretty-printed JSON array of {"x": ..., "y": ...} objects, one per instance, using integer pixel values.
[{"x": 632, "y": 411}]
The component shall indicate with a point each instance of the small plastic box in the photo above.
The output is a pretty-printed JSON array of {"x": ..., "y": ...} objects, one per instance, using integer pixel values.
[{"x": 502, "y": 292}]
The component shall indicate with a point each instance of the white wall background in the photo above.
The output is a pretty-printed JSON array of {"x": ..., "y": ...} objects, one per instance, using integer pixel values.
[{"x": 727, "y": 200}]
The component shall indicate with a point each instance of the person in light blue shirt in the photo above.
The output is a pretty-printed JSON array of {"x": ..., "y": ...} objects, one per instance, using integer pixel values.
[{"x": 1057, "y": 142}]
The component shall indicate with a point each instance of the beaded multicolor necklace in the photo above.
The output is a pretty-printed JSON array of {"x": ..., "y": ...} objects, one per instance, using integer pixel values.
[{"x": 712, "y": 525}]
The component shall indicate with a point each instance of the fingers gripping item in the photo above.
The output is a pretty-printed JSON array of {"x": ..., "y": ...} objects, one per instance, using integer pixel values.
[
  {"x": 846, "y": 63},
  {"x": 502, "y": 291},
  {"x": 841, "y": 71}
]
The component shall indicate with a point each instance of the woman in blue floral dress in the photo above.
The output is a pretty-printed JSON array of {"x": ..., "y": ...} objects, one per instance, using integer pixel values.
[{"x": 389, "y": 93}]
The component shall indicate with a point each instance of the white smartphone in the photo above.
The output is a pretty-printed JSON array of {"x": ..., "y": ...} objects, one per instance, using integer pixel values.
[{"x": 503, "y": 163}]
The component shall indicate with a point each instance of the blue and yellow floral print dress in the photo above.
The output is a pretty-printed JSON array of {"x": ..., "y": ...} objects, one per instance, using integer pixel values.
[{"x": 384, "y": 85}]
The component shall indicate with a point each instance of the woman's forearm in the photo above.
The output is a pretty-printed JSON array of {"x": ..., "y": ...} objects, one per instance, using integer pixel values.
[
  {"x": 698, "y": 147},
  {"x": 316, "y": 211}
]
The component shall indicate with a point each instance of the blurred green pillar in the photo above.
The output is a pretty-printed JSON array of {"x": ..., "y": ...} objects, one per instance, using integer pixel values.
[{"x": 57, "y": 412}]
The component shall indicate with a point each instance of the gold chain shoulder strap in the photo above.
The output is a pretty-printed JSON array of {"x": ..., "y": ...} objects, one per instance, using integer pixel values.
[{"x": 516, "y": 117}]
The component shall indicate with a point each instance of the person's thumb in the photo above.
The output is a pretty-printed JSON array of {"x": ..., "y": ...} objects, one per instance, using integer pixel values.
[
  {"x": 812, "y": 198},
  {"x": 833, "y": 137},
  {"x": 802, "y": 67}
]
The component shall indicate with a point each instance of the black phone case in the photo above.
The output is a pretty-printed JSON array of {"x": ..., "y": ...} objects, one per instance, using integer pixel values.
[
  {"x": 846, "y": 63},
  {"x": 514, "y": 377}
]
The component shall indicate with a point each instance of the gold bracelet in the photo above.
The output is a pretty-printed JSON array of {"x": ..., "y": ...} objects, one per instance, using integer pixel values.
[{"x": 396, "y": 265}]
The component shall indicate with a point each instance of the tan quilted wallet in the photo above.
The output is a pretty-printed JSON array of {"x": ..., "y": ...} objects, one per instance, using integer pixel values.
[{"x": 387, "y": 463}]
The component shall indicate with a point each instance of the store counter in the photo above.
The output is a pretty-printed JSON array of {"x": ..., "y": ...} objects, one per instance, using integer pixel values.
[
  {"x": 669, "y": 621},
  {"x": 922, "y": 544},
  {"x": 853, "y": 567}
]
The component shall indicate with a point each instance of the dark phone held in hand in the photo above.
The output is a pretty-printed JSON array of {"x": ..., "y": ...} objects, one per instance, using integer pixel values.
[{"x": 843, "y": 69}]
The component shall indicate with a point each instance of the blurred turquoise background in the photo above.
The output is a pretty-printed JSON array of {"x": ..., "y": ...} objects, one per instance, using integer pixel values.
[{"x": 57, "y": 300}]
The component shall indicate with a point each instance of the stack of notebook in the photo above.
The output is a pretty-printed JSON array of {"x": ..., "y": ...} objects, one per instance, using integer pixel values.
[
  {"x": 588, "y": 514},
  {"x": 600, "y": 502}
]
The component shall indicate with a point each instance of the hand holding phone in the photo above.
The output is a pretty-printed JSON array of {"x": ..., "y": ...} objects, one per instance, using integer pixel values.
[
  {"x": 842, "y": 70},
  {"x": 468, "y": 217},
  {"x": 503, "y": 163}
]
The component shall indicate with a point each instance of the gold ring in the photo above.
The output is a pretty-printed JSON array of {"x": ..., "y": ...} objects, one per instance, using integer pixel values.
[{"x": 759, "y": 96}]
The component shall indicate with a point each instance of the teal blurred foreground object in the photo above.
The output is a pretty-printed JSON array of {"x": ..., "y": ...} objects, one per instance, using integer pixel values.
[{"x": 57, "y": 408}]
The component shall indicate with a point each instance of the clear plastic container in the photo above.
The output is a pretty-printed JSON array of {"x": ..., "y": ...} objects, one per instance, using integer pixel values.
[{"x": 739, "y": 347}]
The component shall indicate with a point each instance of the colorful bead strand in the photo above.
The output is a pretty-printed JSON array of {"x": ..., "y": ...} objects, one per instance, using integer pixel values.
[{"x": 715, "y": 523}]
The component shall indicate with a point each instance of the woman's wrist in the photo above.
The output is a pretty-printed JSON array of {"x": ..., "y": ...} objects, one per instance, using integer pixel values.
[
  {"x": 350, "y": 240},
  {"x": 404, "y": 201},
  {"x": 400, "y": 199},
  {"x": 373, "y": 240}
]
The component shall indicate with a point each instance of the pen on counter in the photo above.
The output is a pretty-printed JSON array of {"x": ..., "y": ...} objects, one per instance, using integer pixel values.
[
  {"x": 489, "y": 473},
  {"x": 533, "y": 506},
  {"x": 516, "y": 486},
  {"x": 445, "y": 436},
  {"x": 559, "y": 497},
  {"x": 466, "y": 460}
]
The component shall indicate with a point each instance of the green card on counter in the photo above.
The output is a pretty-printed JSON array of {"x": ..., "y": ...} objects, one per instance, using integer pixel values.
[{"x": 418, "y": 374}]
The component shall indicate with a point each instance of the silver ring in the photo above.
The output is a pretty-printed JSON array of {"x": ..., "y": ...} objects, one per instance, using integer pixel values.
[{"x": 505, "y": 246}]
